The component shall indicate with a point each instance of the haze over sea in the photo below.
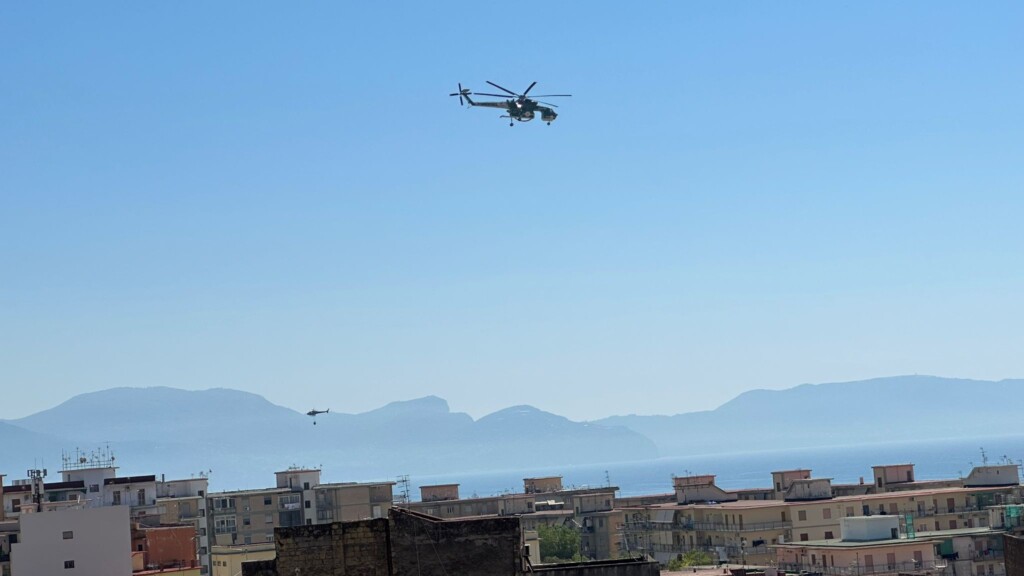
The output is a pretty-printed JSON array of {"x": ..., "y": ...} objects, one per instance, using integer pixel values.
[{"x": 933, "y": 460}]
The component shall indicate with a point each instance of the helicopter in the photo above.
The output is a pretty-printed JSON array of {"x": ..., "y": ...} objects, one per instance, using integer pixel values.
[
  {"x": 517, "y": 106},
  {"x": 314, "y": 412}
]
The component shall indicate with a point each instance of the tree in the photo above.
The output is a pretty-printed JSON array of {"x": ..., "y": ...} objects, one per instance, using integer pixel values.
[
  {"x": 558, "y": 544},
  {"x": 691, "y": 558}
]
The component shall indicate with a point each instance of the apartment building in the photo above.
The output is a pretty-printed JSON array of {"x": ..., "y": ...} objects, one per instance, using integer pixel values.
[
  {"x": 806, "y": 509},
  {"x": 875, "y": 545},
  {"x": 92, "y": 481},
  {"x": 74, "y": 540},
  {"x": 543, "y": 501},
  {"x": 246, "y": 517}
]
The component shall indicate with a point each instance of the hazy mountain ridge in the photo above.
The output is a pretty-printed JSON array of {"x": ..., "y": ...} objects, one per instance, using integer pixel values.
[
  {"x": 888, "y": 409},
  {"x": 244, "y": 438}
]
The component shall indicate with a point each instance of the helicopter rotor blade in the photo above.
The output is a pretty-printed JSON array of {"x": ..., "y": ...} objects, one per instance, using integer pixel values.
[
  {"x": 460, "y": 93},
  {"x": 529, "y": 88},
  {"x": 501, "y": 88},
  {"x": 548, "y": 104},
  {"x": 486, "y": 94},
  {"x": 551, "y": 95}
]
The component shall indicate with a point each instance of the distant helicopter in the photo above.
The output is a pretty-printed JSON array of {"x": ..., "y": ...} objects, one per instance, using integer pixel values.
[
  {"x": 518, "y": 107},
  {"x": 314, "y": 412}
]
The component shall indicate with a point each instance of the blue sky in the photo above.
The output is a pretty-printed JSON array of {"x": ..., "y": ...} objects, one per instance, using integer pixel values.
[{"x": 285, "y": 200}]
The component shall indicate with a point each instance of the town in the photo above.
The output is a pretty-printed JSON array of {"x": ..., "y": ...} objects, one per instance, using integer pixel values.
[{"x": 94, "y": 521}]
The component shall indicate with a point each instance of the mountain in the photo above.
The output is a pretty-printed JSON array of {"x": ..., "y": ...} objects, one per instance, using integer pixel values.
[
  {"x": 900, "y": 408},
  {"x": 241, "y": 438}
]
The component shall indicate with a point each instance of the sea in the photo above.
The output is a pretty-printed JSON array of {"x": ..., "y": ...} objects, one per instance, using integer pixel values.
[{"x": 844, "y": 464}]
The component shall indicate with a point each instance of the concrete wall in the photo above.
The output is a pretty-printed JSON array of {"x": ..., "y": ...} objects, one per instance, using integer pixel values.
[
  {"x": 484, "y": 547},
  {"x": 1013, "y": 547},
  {"x": 349, "y": 548},
  {"x": 868, "y": 528},
  {"x": 811, "y": 489},
  {"x": 99, "y": 543},
  {"x": 1002, "y": 475}
]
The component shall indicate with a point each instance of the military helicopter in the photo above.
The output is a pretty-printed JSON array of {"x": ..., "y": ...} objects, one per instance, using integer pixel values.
[{"x": 518, "y": 107}]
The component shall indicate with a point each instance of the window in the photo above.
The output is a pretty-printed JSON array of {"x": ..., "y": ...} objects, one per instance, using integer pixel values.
[
  {"x": 69, "y": 564},
  {"x": 202, "y": 531},
  {"x": 305, "y": 485},
  {"x": 202, "y": 493},
  {"x": 270, "y": 537},
  {"x": 224, "y": 524},
  {"x": 952, "y": 524},
  {"x": 223, "y": 503},
  {"x": 890, "y": 560},
  {"x": 268, "y": 518},
  {"x": 245, "y": 521},
  {"x": 828, "y": 535},
  {"x": 268, "y": 501},
  {"x": 92, "y": 488},
  {"x": 68, "y": 534},
  {"x": 308, "y": 504},
  {"x": 826, "y": 513},
  {"x": 16, "y": 504},
  {"x": 801, "y": 515},
  {"x": 803, "y": 537},
  {"x": 117, "y": 498},
  {"x": 142, "y": 496}
]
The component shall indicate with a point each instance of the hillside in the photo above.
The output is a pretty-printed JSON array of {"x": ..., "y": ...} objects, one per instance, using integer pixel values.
[
  {"x": 899, "y": 408},
  {"x": 242, "y": 438}
]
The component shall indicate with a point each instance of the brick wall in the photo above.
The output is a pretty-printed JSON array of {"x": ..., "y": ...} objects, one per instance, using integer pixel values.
[
  {"x": 480, "y": 546},
  {"x": 1014, "y": 555}
]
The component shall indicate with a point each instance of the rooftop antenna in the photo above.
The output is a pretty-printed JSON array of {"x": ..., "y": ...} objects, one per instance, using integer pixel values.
[
  {"x": 984, "y": 457},
  {"x": 607, "y": 479},
  {"x": 403, "y": 489}
]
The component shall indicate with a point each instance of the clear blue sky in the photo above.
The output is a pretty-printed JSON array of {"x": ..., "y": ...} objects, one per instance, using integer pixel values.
[{"x": 285, "y": 200}]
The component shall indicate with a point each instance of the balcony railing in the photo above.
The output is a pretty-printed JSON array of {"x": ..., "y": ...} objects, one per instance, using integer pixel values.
[
  {"x": 704, "y": 526},
  {"x": 861, "y": 570}
]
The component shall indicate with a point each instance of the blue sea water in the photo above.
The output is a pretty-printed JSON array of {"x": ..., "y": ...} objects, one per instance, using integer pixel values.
[{"x": 933, "y": 460}]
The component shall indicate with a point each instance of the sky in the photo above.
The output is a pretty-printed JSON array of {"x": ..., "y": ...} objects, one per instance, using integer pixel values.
[{"x": 283, "y": 199}]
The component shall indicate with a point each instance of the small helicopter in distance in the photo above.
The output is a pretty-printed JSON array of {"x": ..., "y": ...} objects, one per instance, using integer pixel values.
[
  {"x": 314, "y": 412},
  {"x": 518, "y": 107}
]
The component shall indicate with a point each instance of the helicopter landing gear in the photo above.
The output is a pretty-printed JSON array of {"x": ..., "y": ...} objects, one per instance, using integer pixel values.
[{"x": 511, "y": 123}]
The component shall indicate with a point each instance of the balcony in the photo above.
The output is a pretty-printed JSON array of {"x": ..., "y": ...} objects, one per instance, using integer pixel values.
[
  {"x": 856, "y": 570},
  {"x": 987, "y": 555},
  {"x": 291, "y": 505},
  {"x": 704, "y": 526}
]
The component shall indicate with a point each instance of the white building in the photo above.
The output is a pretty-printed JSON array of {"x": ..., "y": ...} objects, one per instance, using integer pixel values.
[{"x": 79, "y": 541}]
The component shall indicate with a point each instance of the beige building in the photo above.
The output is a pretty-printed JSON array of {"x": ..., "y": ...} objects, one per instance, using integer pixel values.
[
  {"x": 227, "y": 560},
  {"x": 874, "y": 545},
  {"x": 245, "y": 517},
  {"x": 806, "y": 509},
  {"x": 543, "y": 501}
]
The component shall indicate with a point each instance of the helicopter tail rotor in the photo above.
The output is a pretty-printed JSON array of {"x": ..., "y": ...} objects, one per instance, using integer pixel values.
[{"x": 461, "y": 93}]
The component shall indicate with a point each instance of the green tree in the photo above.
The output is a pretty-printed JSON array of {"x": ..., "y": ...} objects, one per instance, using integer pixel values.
[
  {"x": 691, "y": 558},
  {"x": 558, "y": 544}
]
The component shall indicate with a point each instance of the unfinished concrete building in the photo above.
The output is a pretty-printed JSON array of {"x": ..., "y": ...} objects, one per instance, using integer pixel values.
[{"x": 409, "y": 543}]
